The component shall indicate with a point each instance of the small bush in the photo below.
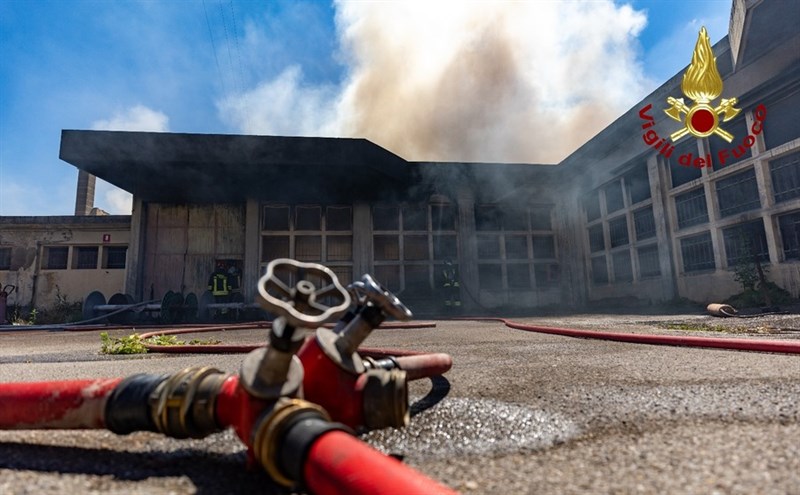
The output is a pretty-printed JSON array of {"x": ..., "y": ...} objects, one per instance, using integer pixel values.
[{"x": 134, "y": 344}]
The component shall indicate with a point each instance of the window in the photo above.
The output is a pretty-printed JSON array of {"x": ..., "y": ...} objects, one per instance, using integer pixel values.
[
  {"x": 415, "y": 218},
  {"x": 780, "y": 126},
  {"x": 517, "y": 247},
  {"x": 649, "y": 265},
  {"x": 544, "y": 247},
  {"x": 681, "y": 174},
  {"x": 691, "y": 208},
  {"x": 790, "y": 234},
  {"x": 338, "y": 218},
  {"x": 307, "y": 218},
  {"x": 5, "y": 258},
  {"x": 618, "y": 231},
  {"x": 622, "y": 266},
  {"x": 738, "y": 193},
  {"x": 488, "y": 247},
  {"x": 644, "y": 223},
  {"x": 386, "y": 247},
  {"x": 308, "y": 248},
  {"x": 115, "y": 256},
  {"x": 591, "y": 204},
  {"x": 490, "y": 276},
  {"x": 415, "y": 247},
  {"x": 596, "y": 239},
  {"x": 273, "y": 247},
  {"x": 85, "y": 258},
  {"x": 540, "y": 218},
  {"x": 443, "y": 217},
  {"x": 745, "y": 241},
  {"x": 638, "y": 183},
  {"x": 55, "y": 258},
  {"x": 697, "y": 252},
  {"x": 614, "y": 199},
  {"x": 599, "y": 270},
  {"x": 547, "y": 275},
  {"x": 445, "y": 247},
  {"x": 385, "y": 218},
  {"x": 785, "y": 173},
  {"x": 276, "y": 218},
  {"x": 488, "y": 217},
  {"x": 519, "y": 276}
]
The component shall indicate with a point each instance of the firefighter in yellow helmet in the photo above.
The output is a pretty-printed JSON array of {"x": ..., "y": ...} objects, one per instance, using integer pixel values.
[
  {"x": 219, "y": 285},
  {"x": 452, "y": 289}
]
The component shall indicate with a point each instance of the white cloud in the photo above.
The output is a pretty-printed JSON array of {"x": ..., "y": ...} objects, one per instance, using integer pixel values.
[
  {"x": 477, "y": 81},
  {"x": 137, "y": 118}
]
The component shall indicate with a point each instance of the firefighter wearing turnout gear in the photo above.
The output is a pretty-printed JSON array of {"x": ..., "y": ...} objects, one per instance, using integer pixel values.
[
  {"x": 219, "y": 285},
  {"x": 452, "y": 291}
]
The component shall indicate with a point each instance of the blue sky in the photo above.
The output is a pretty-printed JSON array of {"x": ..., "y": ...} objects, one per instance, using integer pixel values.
[{"x": 316, "y": 68}]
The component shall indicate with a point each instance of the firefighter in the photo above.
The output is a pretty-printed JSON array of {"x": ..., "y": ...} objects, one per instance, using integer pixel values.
[
  {"x": 219, "y": 285},
  {"x": 452, "y": 291}
]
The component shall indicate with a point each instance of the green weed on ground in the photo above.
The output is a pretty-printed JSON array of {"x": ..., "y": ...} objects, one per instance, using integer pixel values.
[{"x": 135, "y": 344}]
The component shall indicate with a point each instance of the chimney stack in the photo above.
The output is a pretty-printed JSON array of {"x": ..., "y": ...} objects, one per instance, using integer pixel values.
[{"x": 84, "y": 199}]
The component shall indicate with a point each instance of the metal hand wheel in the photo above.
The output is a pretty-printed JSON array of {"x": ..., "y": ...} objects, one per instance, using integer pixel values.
[
  {"x": 302, "y": 304},
  {"x": 370, "y": 290}
]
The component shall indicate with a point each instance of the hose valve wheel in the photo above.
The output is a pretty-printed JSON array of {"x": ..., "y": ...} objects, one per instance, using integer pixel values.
[
  {"x": 316, "y": 297},
  {"x": 370, "y": 290}
]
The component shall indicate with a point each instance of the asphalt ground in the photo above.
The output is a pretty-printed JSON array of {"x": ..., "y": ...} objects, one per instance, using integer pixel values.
[{"x": 519, "y": 413}]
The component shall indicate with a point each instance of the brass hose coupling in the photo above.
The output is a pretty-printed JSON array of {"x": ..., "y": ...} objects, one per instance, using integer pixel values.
[
  {"x": 284, "y": 434},
  {"x": 183, "y": 405},
  {"x": 385, "y": 399}
]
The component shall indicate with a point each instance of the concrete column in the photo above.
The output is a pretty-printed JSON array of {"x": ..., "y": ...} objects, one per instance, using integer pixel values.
[
  {"x": 362, "y": 240},
  {"x": 84, "y": 197},
  {"x": 573, "y": 252},
  {"x": 664, "y": 221},
  {"x": 467, "y": 249},
  {"x": 252, "y": 256},
  {"x": 134, "y": 266}
]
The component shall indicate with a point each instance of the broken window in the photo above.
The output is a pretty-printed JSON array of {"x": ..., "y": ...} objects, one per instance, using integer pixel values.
[
  {"x": 273, "y": 247},
  {"x": 488, "y": 247},
  {"x": 517, "y": 247},
  {"x": 544, "y": 247},
  {"x": 445, "y": 247},
  {"x": 488, "y": 217},
  {"x": 415, "y": 247},
  {"x": 638, "y": 183},
  {"x": 591, "y": 204}
]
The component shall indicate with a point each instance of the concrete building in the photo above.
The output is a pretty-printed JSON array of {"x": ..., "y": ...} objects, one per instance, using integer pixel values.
[{"x": 615, "y": 219}]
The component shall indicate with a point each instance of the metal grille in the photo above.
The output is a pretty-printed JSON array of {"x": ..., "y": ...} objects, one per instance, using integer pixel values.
[
  {"x": 649, "y": 265},
  {"x": 599, "y": 270},
  {"x": 790, "y": 234},
  {"x": 644, "y": 223},
  {"x": 785, "y": 173},
  {"x": 618, "y": 231},
  {"x": 115, "y": 256},
  {"x": 745, "y": 241},
  {"x": 738, "y": 193},
  {"x": 614, "y": 199},
  {"x": 596, "y": 239},
  {"x": 623, "y": 272},
  {"x": 691, "y": 208},
  {"x": 697, "y": 252},
  {"x": 5, "y": 258},
  {"x": 56, "y": 258}
]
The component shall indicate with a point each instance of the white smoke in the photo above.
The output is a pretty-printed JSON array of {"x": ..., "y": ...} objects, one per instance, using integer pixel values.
[
  {"x": 467, "y": 81},
  {"x": 136, "y": 118}
]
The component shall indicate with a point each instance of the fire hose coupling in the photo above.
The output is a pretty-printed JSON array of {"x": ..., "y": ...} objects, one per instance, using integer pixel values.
[
  {"x": 180, "y": 405},
  {"x": 385, "y": 399},
  {"x": 284, "y": 435}
]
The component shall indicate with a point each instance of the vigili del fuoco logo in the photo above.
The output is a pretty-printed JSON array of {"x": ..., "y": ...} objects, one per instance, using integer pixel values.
[{"x": 702, "y": 84}]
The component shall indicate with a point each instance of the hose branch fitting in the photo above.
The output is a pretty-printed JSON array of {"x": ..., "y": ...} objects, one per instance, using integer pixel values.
[
  {"x": 284, "y": 434},
  {"x": 275, "y": 371}
]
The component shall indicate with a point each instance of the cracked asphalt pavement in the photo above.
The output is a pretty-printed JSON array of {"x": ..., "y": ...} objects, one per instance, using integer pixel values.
[{"x": 520, "y": 412}]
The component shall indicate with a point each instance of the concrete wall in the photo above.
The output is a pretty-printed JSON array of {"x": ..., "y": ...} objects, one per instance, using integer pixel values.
[{"x": 30, "y": 237}]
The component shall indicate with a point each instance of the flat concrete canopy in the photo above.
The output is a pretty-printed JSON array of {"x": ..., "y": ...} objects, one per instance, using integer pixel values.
[{"x": 174, "y": 167}]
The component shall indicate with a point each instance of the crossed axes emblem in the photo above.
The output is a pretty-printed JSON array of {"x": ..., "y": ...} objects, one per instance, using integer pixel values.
[{"x": 707, "y": 117}]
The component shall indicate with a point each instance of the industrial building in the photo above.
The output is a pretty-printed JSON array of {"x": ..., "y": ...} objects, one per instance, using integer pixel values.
[{"x": 618, "y": 218}]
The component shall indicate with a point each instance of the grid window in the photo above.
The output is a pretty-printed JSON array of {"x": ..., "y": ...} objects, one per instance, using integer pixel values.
[
  {"x": 681, "y": 174},
  {"x": 780, "y": 125},
  {"x": 515, "y": 220},
  {"x": 308, "y": 248},
  {"x": 490, "y": 277},
  {"x": 85, "y": 257},
  {"x": 517, "y": 247},
  {"x": 596, "y": 238},
  {"x": 790, "y": 235},
  {"x": 599, "y": 270},
  {"x": 623, "y": 272},
  {"x": 415, "y": 218},
  {"x": 445, "y": 247},
  {"x": 691, "y": 208},
  {"x": 697, "y": 252},
  {"x": 443, "y": 217},
  {"x": 591, "y": 204},
  {"x": 338, "y": 218},
  {"x": 614, "y": 199},
  {"x": 745, "y": 242},
  {"x": 307, "y": 218},
  {"x": 540, "y": 218},
  {"x": 5, "y": 258},
  {"x": 644, "y": 223},
  {"x": 276, "y": 218},
  {"x": 649, "y": 264},
  {"x": 415, "y": 247},
  {"x": 618, "y": 231},
  {"x": 339, "y": 248},
  {"x": 785, "y": 173},
  {"x": 547, "y": 275},
  {"x": 488, "y": 247},
  {"x": 115, "y": 256},
  {"x": 738, "y": 193},
  {"x": 386, "y": 247},
  {"x": 273, "y": 247},
  {"x": 388, "y": 276},
  {"x": 638, "y": 184},
  {"x": 56, "y": 258},
  {"x": 544, "y": 247},
  {"x": 417, "y": 277},
  {"x": 385, "y": 218},
  {"x": 519, "y": 276},
  {"x": 488, "y": 217}
]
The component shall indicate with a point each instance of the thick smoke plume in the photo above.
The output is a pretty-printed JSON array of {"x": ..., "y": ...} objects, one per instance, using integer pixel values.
[{"x": 467, "y": 81}]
